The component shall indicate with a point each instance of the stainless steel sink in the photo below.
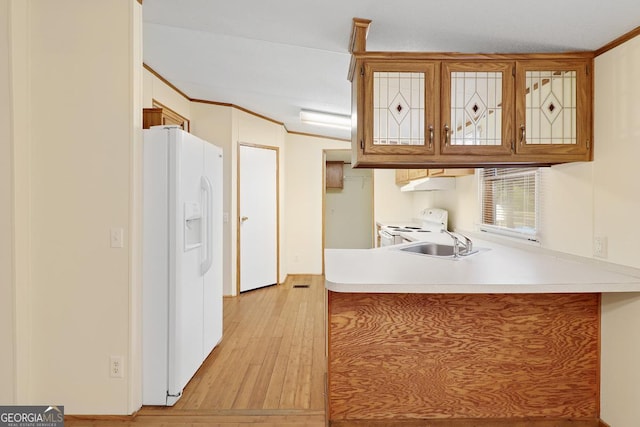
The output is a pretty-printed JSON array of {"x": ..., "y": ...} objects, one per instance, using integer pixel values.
[
  {"x": 433, "y": 249},
  {"x": 437, "y": 250}
]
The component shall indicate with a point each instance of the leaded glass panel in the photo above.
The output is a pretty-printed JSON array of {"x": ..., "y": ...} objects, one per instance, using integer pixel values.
[
  {"x": 551, "y": 107},
  {"x": 398, "y": 108},
  {"x": 476, "y": 108}
]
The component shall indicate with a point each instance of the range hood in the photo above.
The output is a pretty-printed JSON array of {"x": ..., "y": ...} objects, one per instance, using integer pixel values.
[{"x": 430, "y": 184}]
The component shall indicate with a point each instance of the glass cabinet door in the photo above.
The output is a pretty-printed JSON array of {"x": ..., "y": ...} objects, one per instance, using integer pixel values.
[
  {"x": 477, "y": 108},
  {"x": 551, "y": 107},
  {"x": 400, "y": 109}
]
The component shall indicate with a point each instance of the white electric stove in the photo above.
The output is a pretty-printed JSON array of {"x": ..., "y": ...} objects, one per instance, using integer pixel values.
[{"x": 431, "y": 220}]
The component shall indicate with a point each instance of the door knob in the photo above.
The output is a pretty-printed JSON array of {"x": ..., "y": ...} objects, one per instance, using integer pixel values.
[{"x": 244, "y": 218}]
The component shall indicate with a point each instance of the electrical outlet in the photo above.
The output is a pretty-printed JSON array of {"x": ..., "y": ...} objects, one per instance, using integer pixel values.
[
  {"x": 600, "y": 246},
  {"x": 116, "y": 369}
]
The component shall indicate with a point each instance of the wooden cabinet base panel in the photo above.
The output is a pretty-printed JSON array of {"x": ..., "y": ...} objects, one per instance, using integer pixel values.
[
  {"x": 471, "y": 422},
  {"x": 456, "y": 356}
]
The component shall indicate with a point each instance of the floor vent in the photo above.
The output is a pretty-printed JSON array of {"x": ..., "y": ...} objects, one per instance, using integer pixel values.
[{"x": 305, "y": 285}]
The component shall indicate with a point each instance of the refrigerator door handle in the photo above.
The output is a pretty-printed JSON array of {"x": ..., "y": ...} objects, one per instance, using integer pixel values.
[{"x": 208, "y": 228}]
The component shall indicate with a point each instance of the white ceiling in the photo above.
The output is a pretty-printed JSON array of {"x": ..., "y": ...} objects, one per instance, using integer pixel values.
[{"x": 277, "y": 57}]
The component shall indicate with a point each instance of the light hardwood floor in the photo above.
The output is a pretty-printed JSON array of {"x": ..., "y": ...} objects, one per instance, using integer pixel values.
[{"x": 268, "y": 370}]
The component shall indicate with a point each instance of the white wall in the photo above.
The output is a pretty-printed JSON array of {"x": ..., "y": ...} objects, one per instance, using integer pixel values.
[
  {"x": 616, "y": 188},
  {"x": 349, "y": 211},
  {"x": 213, "y": 123},
  {"x": 567, "y": 207},
  {"x": 392, "y": 205},
  {"x": 461, "y": 211},
  {"x": 154, "y": 88},
  {"x": 449, "y": 200},
  {"x": 616, "y": 209},
  {"x": 77, "y": 298},
  {"x": 620, "y": 352},
  {"x": 303, "y": 204},
  {"x": 7, "y": 366},
  {"x": 21, "y": 119},
  {"x": 389, "y": 203}
]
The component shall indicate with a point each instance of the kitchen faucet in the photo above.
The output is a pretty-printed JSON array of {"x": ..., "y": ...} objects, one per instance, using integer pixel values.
[{"x": 467, "y": 245}]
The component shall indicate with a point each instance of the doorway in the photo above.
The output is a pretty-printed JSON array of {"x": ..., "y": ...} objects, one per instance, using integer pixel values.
[
  {"x": 348, "y": 211},
  {"x": 258, "y": 218}
]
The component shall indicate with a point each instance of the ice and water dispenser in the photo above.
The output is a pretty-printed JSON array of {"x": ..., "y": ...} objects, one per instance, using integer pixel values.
[{"x": 192, "y": 225}]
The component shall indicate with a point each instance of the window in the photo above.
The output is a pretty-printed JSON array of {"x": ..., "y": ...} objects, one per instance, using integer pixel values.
[{"x": 509, "y": 201}]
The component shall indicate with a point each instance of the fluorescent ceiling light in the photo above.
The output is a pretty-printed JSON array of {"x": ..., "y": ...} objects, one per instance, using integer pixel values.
[{"x": 325, "y": 119}]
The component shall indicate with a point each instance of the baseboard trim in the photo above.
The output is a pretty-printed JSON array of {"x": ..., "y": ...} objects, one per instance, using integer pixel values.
[
  {"x": 298, "y": 277},
  {"x": 471, "y": 422},
  {"x": 97, "y": 418}
]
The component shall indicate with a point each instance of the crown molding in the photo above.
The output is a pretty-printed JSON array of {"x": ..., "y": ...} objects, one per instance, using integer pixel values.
[
  {"x": 237, "y": 107},
  {"x": 165, "y": 81},
  {"x": 617, "y": 42},
  {"x": 292, "y": 132}
]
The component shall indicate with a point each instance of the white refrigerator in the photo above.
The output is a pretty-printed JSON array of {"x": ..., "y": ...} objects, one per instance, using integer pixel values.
[{"x": 182, "y": 260}]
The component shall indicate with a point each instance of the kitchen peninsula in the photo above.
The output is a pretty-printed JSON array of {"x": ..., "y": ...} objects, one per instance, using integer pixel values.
[{"x": 506, "y": 335}]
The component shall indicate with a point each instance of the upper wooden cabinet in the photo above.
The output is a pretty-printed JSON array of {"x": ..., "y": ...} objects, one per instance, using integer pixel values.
[
  {"x": 334, "y": 174},
  {"x": 417, "y": 173},
  {"x": 477, "y": 108},
  {"x": 429, "y": 110},
  {"x": 553, "y": 107},
  {"x": 403, "y": 176},
  {"x": 162, "y": 115},
  {"x": 399, "y": 115}
]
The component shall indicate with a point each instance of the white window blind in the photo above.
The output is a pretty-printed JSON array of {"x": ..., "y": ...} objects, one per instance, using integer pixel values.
[{"x": 509, "y": 201}]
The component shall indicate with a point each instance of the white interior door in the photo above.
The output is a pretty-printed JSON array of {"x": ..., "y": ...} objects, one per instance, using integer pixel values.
[{"x": 258, "y": 217}]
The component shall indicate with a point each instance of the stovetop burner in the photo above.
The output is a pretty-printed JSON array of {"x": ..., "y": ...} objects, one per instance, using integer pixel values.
[{"x": 397, "y": 229}]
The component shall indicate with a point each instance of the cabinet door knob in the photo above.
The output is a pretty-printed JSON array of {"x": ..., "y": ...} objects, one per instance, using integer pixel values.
[
  {"x": 523, "y": 135},
  {"x": 446, "y": 134}
]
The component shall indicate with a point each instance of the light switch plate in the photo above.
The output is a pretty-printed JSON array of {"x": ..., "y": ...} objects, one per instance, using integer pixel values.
[{"x": 117, "y": 237}]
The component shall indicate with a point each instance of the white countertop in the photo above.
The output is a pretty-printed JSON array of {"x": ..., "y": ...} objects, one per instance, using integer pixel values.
[{"x": 497, "y": 268}]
